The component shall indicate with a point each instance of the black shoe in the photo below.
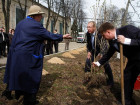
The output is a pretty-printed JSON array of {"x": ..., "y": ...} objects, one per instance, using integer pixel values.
[
  {"x": 30, "y": 103},
  {"x": 110, "y": 83},
  {"x": 7, "y": 94},
  {"x": 18, "y": 94},
  {"x": 30, "y": 99}
]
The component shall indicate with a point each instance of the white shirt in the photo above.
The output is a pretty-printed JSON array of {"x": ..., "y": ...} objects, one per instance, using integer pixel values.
[{"x": 3, "y": 36}]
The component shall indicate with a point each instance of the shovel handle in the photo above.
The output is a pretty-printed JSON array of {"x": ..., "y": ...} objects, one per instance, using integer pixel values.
[{"x": 122, "y": 74}]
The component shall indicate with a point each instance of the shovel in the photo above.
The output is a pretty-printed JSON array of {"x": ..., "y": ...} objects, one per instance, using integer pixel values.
[{"x": 122, "y": 74}]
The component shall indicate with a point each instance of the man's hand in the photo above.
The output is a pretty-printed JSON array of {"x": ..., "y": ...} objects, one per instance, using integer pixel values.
[
  {"x": 89, "y": 55},
  {"x": 100, "y": 55},
  {"x": 121, "y": 39},
  {"x": 96, "y": 64},
  {"x": 67, "y": 36}
]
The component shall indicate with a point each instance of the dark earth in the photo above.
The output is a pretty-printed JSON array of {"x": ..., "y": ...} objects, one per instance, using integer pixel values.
[{"x": 64, "y": 84}]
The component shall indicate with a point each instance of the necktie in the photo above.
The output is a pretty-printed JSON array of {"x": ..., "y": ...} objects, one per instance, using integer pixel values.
[
  {"x": 3, "y": 36},
  {"x": 115, "y": 44},
  {"x": 92, "y": 40}
]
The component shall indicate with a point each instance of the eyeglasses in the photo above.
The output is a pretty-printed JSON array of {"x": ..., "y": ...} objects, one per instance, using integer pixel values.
[{"x": 89, "y": 27}]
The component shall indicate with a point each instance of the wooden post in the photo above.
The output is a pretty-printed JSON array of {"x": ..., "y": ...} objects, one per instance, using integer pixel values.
[{"x": 122, "y": 74}]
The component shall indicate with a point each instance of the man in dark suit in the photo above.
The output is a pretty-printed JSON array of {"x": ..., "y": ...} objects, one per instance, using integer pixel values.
[
  {"x": 129, "y": 36},
  {"x": 1, "y": 40},
  {"x": 4, "y": 39},
  {"x": 55, "y": 42},
  {"x": 91, "y": 27}
]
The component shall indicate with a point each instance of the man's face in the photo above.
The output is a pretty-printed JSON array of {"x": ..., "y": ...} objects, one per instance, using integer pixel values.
[
  {"x": 38, "y": 17},
  {"x": 91, "y": 28},
  {"x": 1, "y": 30},
  {"x": 109, "y": 34}
]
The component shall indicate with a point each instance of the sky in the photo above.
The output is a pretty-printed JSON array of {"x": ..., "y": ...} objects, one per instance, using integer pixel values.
[{"x": 88, "y": 4}]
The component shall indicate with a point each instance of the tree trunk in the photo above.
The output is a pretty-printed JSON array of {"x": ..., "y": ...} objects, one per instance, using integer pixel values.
[
  {"x": 6, "y": 12},
  {"x": 125, "y": 13},
  {"x": 49, "y": 13}
]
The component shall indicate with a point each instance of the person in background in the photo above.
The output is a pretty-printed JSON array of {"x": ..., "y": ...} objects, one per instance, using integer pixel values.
[
  {"x": 11, "y": 34},
  {"x": 129, "y": 36},
  {"x": 25, "y": 59},
  {"x": 1, "y": 40},
  {"x": 50, "y": 46},
  {"x": 67, "y": 41},
  {"x": 4, "y": 40},
  {"x": 91, "y": 27},
  {"x": 55, "y": 42}
]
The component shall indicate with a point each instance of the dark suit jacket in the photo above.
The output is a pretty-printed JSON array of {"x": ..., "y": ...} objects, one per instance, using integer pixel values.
[
  {"x": 132, "y": 51},
  {"x": 1, "y": 38},
  {"x": 5, "y": 36},
  {"x": 89, "y": 44}
]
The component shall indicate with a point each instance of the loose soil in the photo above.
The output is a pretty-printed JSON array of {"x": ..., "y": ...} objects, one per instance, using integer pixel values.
[
  {"x": 56, "y": 60},
  {"x": 63, "y": 84},
  {"x": 68, "y": 55}
]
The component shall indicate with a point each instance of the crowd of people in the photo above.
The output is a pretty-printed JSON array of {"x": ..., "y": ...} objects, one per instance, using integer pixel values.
[{"x": 5, "y": 41}]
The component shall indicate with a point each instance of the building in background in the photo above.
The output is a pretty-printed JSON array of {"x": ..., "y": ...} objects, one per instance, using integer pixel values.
[{"x": 16, "y": 16}]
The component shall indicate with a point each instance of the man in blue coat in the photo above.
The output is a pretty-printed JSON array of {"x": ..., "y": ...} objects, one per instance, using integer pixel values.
[{"x": 25, "y": 60}]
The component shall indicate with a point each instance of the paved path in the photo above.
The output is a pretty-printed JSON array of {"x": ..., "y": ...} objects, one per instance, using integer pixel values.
[{"x": 72, "y": 45}]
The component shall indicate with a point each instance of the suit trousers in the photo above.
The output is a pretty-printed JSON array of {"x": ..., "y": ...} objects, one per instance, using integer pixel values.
[
  {"x": 131, "y": 73},
  {"x": 0, "y": 49},
  {"x": 56, "y": 46},
  {"x": 3, "y": 48},
  {"x": 107, "y": 68}
]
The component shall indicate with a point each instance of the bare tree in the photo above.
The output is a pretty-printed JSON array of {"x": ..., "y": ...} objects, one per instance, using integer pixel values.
[
  {"x": 6, "y": 11},
  {"x": 57, "y": 6},
  {"x": 74, "y": 10},
  {"x": 49, "y": 5},
  {"x": 125, "y": 14}
]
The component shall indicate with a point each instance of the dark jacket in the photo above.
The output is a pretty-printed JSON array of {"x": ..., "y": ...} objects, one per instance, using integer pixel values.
[
  {"x": 132, "y": 51},
  {"x": 6, "y": 37},
  {"x": 89, "y": 43},
  {"x": 25, "y": 59}
]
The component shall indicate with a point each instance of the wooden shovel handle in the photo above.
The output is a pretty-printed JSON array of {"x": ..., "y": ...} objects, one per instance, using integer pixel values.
[{"x": 122, "y": 74}]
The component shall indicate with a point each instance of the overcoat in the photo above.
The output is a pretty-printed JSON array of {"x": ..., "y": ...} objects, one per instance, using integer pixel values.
[{"x": 25, "y": 60}]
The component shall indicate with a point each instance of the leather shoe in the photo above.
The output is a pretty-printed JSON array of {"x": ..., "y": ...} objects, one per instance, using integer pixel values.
[{"x": 7, "y": 94}]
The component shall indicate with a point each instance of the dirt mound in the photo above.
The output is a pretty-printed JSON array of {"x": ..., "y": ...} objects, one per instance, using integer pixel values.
[
  {"x": 68, "y": 55},
  {"x": 56, "y": 60},
  {"x": 74, "y": 52},
  {"x": 81, "y": 49},
  {"x": 44, "y": 72}
]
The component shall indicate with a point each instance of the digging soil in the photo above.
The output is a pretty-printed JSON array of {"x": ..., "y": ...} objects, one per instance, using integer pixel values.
[{"x": 63, "y": 84}]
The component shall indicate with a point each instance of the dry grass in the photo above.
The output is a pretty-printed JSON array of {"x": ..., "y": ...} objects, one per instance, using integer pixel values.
[{"x": 64, "y": 84}]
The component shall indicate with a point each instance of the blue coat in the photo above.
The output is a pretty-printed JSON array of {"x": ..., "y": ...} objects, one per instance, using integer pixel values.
[{"x": 25, "y": 59}]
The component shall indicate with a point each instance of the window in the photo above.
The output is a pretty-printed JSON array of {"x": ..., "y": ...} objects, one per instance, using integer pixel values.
[
  {"x": 19, "y": 15},
  {"x": 52, "y": 22},
  {"x": 61, "y": 28}
]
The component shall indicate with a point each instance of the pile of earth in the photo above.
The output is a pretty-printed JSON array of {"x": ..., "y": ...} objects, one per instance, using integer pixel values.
[{"x": 56, "y": 60}]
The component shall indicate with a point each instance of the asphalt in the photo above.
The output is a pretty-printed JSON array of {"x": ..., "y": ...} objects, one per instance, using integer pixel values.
[{"x": 61, "y": 48}]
